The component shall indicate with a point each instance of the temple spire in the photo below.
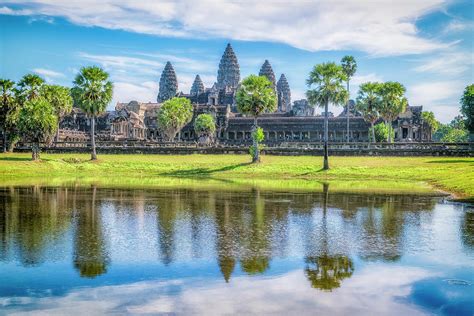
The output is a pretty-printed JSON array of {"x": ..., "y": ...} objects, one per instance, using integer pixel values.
[
  {"x": 198, "y": 86},
  {"x": 228, "y": 74},
  {"x": 267, "y": 71},
  {"x": 168, "y": 83},
  {"x": 284, "y": 94}
]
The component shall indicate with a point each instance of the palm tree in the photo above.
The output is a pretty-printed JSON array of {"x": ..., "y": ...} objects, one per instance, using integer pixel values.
[
  {"x": 393, "y": 102},
  {"x": 349, "y": 66},
  {"x": 29, "y": 87},
  {"x": 254, "y": 97},
  {"x": 327, "y": 79},
  {"x": 7, "y": 106},
  {"x": 61, "y": 100},
  {"x": 368, "y": 103},
  {"x": 92, "y": 92}
]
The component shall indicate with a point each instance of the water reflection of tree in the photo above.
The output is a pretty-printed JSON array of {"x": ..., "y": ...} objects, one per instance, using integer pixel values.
[
  {"x": 32, "y": 220},
  {"x": 91, "y": 257},
  {"x": 256, "y": 251},
  {"x": 467, "y": 228},
  {"x": 325, "y": 270}
]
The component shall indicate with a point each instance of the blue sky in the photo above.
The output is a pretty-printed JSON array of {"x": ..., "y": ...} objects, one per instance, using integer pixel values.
[{"x": 426, "y": 44}]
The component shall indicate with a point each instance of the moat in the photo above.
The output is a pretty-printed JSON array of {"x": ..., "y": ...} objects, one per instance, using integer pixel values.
[{"x": 71, "y": 250}]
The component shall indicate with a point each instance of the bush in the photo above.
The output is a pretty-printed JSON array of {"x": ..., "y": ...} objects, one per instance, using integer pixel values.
[
  {"x": 381, "y": 132},
  {"x": 204, "y": 125},
  {"x": 259, "y": 137}
]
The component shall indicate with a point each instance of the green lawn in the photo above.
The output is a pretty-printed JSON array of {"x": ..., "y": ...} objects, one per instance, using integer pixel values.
[{"x": 410, "y": 174}]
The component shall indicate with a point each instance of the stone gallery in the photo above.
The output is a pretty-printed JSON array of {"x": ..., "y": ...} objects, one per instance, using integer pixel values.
[{"x": 292, "y": 121}]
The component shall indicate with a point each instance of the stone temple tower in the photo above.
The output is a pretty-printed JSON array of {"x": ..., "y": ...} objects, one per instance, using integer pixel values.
[
  {"x": 198, "y": 86},
  {"x": 267, "y": 71},
  {"x": 228, "y": 74},
  {"x": 168, "y": 84},
  {"x": 284, "y": 94}
]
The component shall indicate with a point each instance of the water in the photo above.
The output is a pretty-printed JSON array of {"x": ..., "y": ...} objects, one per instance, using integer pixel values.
[{"x": 73, "y": 250}]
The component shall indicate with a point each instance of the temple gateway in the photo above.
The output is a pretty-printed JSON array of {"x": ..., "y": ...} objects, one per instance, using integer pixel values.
[{"x": 292, "y": 121}]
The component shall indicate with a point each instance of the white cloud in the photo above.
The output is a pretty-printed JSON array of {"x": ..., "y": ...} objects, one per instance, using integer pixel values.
[
  {"x": 448, "y": 63},
  {"x": 126, "y": 92},
  {"x": 374, "y": 290},
  {"x": 380, "y": 27},
  {"x": 359, "y": 79},
  {"x": 438, "y": 97},
  {"x": 48, "y": 72},
  {"x": 458, "y": 26},
  {"x": 49, "y": 75}
]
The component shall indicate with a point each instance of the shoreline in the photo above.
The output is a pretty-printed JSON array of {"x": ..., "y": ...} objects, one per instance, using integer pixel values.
[{"x": 452, "y": 176}]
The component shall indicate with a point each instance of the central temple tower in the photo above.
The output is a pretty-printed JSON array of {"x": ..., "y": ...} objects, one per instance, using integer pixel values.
[{"x": 228, "y": 75}]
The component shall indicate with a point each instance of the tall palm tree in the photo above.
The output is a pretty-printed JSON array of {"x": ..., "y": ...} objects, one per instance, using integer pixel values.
[
  {"x": 349, "y": 66},
  {"x": 7, "y": 106},
  {"x": 29, "y": 87},
  {"x": 393, "y": 102},
  {"x": 327, "y": 80},
  {"x": 92, "y": 92},
  {"x": 368, "y": 103},
  {"x": 254, "y": 97}
]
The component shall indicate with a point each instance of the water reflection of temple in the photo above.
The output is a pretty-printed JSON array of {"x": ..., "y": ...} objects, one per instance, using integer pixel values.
[{"x": 242, "y": 230}]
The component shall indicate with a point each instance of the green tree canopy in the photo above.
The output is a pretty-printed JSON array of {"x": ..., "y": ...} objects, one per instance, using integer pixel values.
[
  {"x": 204, "y": 125},
  {"x": 393, "y": 102},
  {"x": 254, "y": 97},
  {"x": 92, "y": 92},
  {"x": 325, "y": 84},
  {"x": 173, "y": 115},
  {"x": 59, "y": 97},
  {"x": 453, "y": 132},
  {"x": 8, "y": 108},
  {"x": 467, "y": 107},
  {"x": 349, "y": 66},
  {"x": 37, "y": 121},
  {"x": 430, "y": 119},
  {"x": 380, "y": 132},
  {"x": 29, "y": 87},
  {"x": 368, "y": 103}
]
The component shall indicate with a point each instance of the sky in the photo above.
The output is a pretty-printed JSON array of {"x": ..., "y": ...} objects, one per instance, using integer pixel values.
[{"x": 427, "y": 45}]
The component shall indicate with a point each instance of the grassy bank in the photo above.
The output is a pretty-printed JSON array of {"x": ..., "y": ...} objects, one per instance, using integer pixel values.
[{"x": 454, "y": 175}]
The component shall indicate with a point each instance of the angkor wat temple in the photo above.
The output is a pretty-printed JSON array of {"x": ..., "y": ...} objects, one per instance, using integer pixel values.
[{"x": 296, "y": 121}]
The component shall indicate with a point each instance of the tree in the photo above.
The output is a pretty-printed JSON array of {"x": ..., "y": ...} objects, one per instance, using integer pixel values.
[
  {"x": 349, "y": 66},
  {"x": 254, "y": 97},
  {"x": 327, "y": 79},
  {"x": 467, "y": 109},
  {"x": 37, "y": 121},
  {"x": 368, "y": 103},
  {"x": 7, "y": 107},
  {"x": 173, "y": 115},
  {"x": 380, "y": 132},
  {"x": 392, "y": 104},
  {"x": 205, "y": 126},
  {"x": 29, "y": 87},
  {"x": 92, "y": 92},
  {"x": 61, "y": 100},
  {"x": 430, "y": 119},
  {"x": 453, "y": 132}
]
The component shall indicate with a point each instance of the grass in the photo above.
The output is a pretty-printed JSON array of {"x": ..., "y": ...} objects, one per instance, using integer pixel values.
[{"x": 407, "y": 174}]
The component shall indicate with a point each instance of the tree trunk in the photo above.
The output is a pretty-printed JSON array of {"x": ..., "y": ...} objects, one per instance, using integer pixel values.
[
  {"x": 256, "y": 151},
  {"x": 5, "y": 139},
  {"x": 35, "y": 151},
  {"x": 373, "y": 132},
  {"x": 347, "y": 112},
  {"x": 388, "y": 134},
  {"x": 57, "y": 133},
  {"x": 94, "y": 154},
  {"x": 326, "y": 136}
]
